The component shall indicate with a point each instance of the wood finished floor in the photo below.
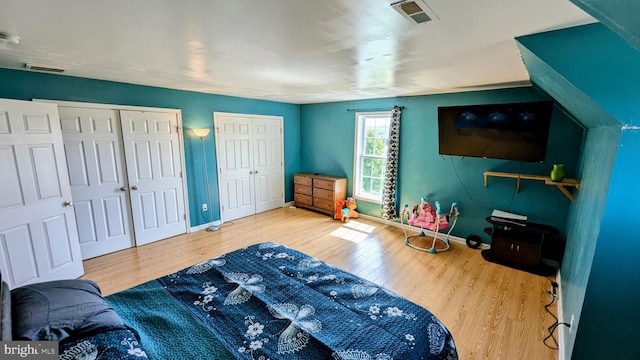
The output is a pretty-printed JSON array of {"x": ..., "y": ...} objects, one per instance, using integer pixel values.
[{"x": 493, "y": 311}]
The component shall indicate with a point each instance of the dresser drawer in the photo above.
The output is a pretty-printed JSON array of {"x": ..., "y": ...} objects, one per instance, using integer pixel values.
[
  {"x": 323, "y": 204},
  {"x": 323, "y": 184},
  {"x": 301, "y": 189},
  {"x": 302, "y": 180},
  {"x": 300, "y": 199},
  {"x": 323, "y": 194}
]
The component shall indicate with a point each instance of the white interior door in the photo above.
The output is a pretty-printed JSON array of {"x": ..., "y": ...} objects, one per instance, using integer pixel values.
[
  {"x": 38, "y": 235},
  {"x": 95, "y": 159},
  {"x": 151, "y": 145},
  {"x": 235, "y": 175},
  {"x": 267, "y": 163},
  {"x": 250, "y": 168}
]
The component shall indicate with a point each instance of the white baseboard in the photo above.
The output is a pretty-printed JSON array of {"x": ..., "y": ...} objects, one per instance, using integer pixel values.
[
  {"x": 417, "y": 230},
  {"x": 204, "y": 226},
  {"x": 219, "y": 222}
]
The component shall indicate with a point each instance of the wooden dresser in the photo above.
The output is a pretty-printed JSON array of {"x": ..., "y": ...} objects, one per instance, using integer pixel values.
[{"x": 318, "y": 192}]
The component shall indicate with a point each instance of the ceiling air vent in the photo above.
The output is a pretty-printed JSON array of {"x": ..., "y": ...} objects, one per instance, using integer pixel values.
[
  {"x": 6, "y": 38},
  {"x": 416, "y": 11},
  {"x": 43, "y": 68}
]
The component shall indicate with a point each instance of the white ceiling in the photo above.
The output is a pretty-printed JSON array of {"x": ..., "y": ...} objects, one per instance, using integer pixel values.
[{"x": 296, "y": 51}]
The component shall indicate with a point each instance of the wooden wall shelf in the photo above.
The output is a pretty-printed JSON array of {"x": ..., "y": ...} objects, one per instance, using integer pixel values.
[{"x": 561, "y": 185}]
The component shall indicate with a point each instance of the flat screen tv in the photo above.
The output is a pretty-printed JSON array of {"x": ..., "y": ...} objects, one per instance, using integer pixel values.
[{"x": 515, "y": 131}]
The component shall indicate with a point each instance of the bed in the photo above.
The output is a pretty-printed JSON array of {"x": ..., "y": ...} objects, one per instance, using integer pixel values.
[{"x": 265, "y": 301}]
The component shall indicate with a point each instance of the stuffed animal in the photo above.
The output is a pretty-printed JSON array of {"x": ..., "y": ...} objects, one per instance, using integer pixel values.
[
  {"x": 351, "y": 213},
  {"x": 339, "y": 210}
]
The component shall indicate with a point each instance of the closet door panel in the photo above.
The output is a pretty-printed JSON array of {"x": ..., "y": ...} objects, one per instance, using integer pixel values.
[
  {"x": 96, "y": 166},
  {"x": 235, "y": 175},
  {"x": 38, "y": 232},
  {"x": 268, "y": 163},
  {"x": 152, "y": 150}
]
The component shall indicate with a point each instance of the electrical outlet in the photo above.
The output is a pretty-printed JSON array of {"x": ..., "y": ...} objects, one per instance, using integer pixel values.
[
  {"x": 571, "y": 324},
  {"x": 205, "y": 207}
]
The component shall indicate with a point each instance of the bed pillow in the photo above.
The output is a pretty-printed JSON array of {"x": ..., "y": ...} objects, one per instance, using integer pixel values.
[
  {"x": 5, "y": 311},
  {"x": 56, "y": 310}
]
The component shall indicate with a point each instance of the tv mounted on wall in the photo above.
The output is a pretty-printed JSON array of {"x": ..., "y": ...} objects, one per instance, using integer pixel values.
[{"x": 514, "y": 131}]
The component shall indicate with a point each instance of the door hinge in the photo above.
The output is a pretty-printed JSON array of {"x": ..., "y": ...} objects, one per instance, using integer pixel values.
[
  {"x": 184, "y": 216},
  {"x": 180, "y": 174}
]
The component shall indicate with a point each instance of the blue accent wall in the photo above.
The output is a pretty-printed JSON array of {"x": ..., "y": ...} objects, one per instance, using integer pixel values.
[
  {"x": 328, "y": 134},
  {"x": 620, "y": 16},
  {"x": 197, "y": 112},
  {"x": 594, "y": 74}
]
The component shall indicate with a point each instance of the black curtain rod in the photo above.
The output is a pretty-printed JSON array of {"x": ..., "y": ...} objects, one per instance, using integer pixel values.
[{"x": 378, "y": 109}]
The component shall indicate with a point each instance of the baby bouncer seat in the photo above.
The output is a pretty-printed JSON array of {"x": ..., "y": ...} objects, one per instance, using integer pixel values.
[{"x": 429, "y": 217}]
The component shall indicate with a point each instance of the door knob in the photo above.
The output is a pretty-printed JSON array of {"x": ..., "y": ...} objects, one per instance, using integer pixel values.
[
  {"x": 124, "y": 188},
  {"x": 134, "y": 187},
  {"x": 68, "y": 203}
]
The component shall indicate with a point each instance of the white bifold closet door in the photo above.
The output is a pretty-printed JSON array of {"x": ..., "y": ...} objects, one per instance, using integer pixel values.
[
  {"x": 152, "y": 150},
  {"x": 95, "y": 157},
  {"x": 38, "y": 235},
  {"x": 250, "y": 164},
  {"x": 125, "y": 171}
]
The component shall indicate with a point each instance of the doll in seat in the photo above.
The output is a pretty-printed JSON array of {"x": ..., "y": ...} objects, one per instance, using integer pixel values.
[{"x": 429, "y": 217}]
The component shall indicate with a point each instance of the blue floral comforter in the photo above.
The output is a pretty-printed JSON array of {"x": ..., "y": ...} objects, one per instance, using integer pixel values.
[
  {"x": 116, "y": 344},
  {"x": 268, "y": 301}
]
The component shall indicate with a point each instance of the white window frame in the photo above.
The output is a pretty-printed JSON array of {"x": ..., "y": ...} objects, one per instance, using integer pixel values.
[{"x": 359, "y": 156}]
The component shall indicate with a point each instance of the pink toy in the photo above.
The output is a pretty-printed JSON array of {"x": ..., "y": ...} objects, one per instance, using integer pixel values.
[{"x": 427, "y": 217}]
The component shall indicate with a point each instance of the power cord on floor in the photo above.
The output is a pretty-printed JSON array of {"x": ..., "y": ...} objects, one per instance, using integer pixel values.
[
  {"x": 224, "y": 224},
  {"x": 554, "y": 326}
]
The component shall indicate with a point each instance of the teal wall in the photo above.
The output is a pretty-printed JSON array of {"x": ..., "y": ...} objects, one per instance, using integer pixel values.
[
  {"x": 328, "y": 137},
  {"x": 595, "y": 75},
  {"x": 197, "y": 112},
  {"x": 584, "y": 223},
  {"x": 620, "y": 16}
]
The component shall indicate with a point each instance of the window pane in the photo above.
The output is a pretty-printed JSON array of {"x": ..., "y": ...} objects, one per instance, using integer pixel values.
[
  {"x": 380, "y": 147},
  {"x": 370, "y": 145},
  {"x": 366, "y": 184},
  {"x": 367, "y": 169},
  {"x": 376, "y": 186},
  {"x": 378, "y": 168},
  {"x": 381, "y": 127}
]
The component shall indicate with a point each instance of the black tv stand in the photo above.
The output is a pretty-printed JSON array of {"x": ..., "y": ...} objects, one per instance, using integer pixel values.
[{"x": 518, "y": 246}]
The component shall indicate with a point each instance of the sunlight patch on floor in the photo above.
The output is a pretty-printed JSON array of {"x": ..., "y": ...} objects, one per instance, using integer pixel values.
[{"x": 353, "y": 231}]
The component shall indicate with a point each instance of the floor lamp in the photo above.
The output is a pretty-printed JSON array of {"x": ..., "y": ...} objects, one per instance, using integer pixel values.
[{"x": 202, "y": 133}]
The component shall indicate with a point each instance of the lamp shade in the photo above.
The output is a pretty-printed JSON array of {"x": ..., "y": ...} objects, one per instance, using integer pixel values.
[{"x": 201, "y": 132}]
